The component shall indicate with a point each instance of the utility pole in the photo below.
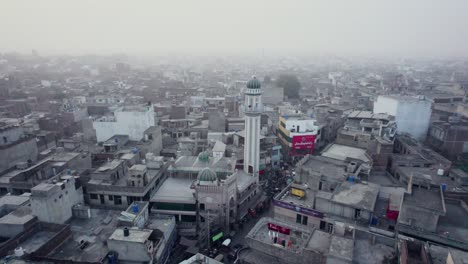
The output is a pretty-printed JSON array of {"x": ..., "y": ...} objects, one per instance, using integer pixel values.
[{"x": 208, "y": 229}]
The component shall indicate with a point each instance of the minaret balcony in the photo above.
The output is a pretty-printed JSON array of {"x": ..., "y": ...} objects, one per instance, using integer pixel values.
[{"x": 253, "y": 110}]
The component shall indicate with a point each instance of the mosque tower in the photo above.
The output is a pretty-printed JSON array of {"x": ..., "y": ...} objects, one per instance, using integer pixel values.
[{"x": 253, "y": 111}]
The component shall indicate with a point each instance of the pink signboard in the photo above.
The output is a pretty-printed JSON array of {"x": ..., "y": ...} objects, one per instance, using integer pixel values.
[
  {"x": 303, "y": 142},
  {"x": 280, "y": 229}
]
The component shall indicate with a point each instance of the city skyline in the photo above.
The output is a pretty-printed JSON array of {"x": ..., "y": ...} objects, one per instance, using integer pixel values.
[{"x": 403, "y": 28}]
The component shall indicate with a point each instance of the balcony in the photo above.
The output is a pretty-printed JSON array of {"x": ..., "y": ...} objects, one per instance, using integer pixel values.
[{"x": 253, "y": 109}]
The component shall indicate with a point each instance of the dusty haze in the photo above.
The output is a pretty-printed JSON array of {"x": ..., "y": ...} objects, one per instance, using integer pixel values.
[{"x": 415, "y": 27}]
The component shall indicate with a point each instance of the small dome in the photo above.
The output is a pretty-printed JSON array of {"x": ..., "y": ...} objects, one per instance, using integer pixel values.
[
  {"x": 207, "y": 175},
  {"x": 204, "y": 156},
  {"x": 254, "y": 83}
]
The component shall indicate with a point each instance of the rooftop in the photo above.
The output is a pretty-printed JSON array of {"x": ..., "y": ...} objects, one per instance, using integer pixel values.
[
  {"x": 341, "y": 248},
  {"x": 423, "y": 198},
  {"x": 109, "y": 166},
  {"x": 175, "y": 190},
  {"x": 13, "y": 200},
  {"x": 368, "y": 115},
  {"x": 20, "y": 216},
  {"x": 135, "y": 235},
  {"x": 357, "y": 195},
  {"x": 342, "y": 152},
  {"x": 95, "y": 231}
]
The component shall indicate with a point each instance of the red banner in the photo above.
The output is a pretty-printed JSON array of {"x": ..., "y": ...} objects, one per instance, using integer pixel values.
[
  {"x": 280, "y": 229},
  {"x": 303, "y": 142}
]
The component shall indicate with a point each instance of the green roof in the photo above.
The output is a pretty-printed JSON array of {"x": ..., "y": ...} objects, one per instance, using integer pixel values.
[
  {"x": 254, "y": 83},
  {"x": 207, "y": 174}
]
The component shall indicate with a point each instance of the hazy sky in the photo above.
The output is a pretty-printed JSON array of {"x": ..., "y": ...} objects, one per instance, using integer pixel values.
[{"x": 422, "y": 27}]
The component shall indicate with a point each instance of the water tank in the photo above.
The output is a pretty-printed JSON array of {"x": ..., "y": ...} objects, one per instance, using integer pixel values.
[
  {"x": 135, "y": 150},
  {"x": 126, "y": 232},
  {"x": 444, "y": 186},
  {"x": 440, "y": 172},
  {"x": 19, "y": 252},
  {"x": 135, "y": 208},
  {"x": 351, "y": 178}
]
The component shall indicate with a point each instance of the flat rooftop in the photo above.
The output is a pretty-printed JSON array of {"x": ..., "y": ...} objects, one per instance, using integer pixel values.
[
  {"x": 357, "y": 195},
  {"x": 368, "y": 115},
  {"x": 261, "y": 233},
  {"x": 36, "y": 241},
  {"x": 428, "y": 199},
  {"x": 134, "y": 235},
  {"x": 454, "y": 223},
  {"x": 20, "y": 216},
  {"x": 109, "y": 166},
  {"x": 341, "y": 248},
  {"x": 429, "y": 175},
  {"x": 175, "y": 190},
  {"x": 307, "y": 201},
  {"x": 320, "y": 242},
  {"x": 13, "y": 200},
  {"x": 326, "y": 166},
  {"x": 342, "y": 152},
  {"x": 95, "y": 230},
  {"x": 367, "y": 253}
]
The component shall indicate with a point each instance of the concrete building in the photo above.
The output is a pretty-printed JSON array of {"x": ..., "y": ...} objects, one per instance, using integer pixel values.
[
  {"x": 135, "y": 245},
  {"x": 206, "y": 194},
  {"x": 373, "y": 132},
  {"x": 415, "y": 151},
  {"x": 27, "y": 175},
  {"x": 217, "y": 121},
  {"x": 449, "y": 138},
  {"x": 421, "y": 209},
  {"x": 412, "y": 114},
  {"x": 253, "y": 110},
  {"x": 298, "y": 135},
  {"x": 53, "y": 202},
  {"x": 113, "y": 185},
  {"x": 131, "y": 121},
  {"x": 16, "y": 147}
]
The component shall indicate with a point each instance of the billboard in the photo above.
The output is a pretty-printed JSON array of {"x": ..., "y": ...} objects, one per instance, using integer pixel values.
[
  {"x": 303, "y": 142},
  {"x": 280, "y": 229},
  {"x": 298, "y": 209}
]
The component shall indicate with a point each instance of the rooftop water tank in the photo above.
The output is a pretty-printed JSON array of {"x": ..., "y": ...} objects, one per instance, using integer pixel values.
[
  {"x": 19, "y": 252},
  {"x": 135, "y": 208},
  {"x": 440, "y": 172}
]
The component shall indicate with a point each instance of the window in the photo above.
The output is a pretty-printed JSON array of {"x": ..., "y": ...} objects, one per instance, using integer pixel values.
[
  {"x": 202, "y": 207},
  {"x": 5, "y": 140},
  {"x": 320, "y": 186},
  {"x": 93, "y": 196},
  {"x": 302, "y": 219},
  {"x": 357, "y": 213},
  {"x": 117, "y": 200},
  {"x": 111, "y": 198}
]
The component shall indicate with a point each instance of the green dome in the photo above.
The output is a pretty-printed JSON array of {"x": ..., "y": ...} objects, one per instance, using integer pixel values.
[
  {"x": 207, "y": 175},
  {"x": 254, "y": 83},
  {"x": 204, "y": 156}
]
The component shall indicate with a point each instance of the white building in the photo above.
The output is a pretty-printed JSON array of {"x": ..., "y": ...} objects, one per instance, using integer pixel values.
[
  {"x": 131, "y": 121},
  {"x": 253, "y": 111},
  {"x": 412, "y": 114},
  {"x": 53, "y": 202}
]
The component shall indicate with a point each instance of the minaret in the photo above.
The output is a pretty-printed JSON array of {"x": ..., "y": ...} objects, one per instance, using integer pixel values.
[{"x": 253, "y": 109}]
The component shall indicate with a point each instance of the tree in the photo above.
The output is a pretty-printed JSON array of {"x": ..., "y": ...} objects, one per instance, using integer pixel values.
[{"x": 290, "y": 83}]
